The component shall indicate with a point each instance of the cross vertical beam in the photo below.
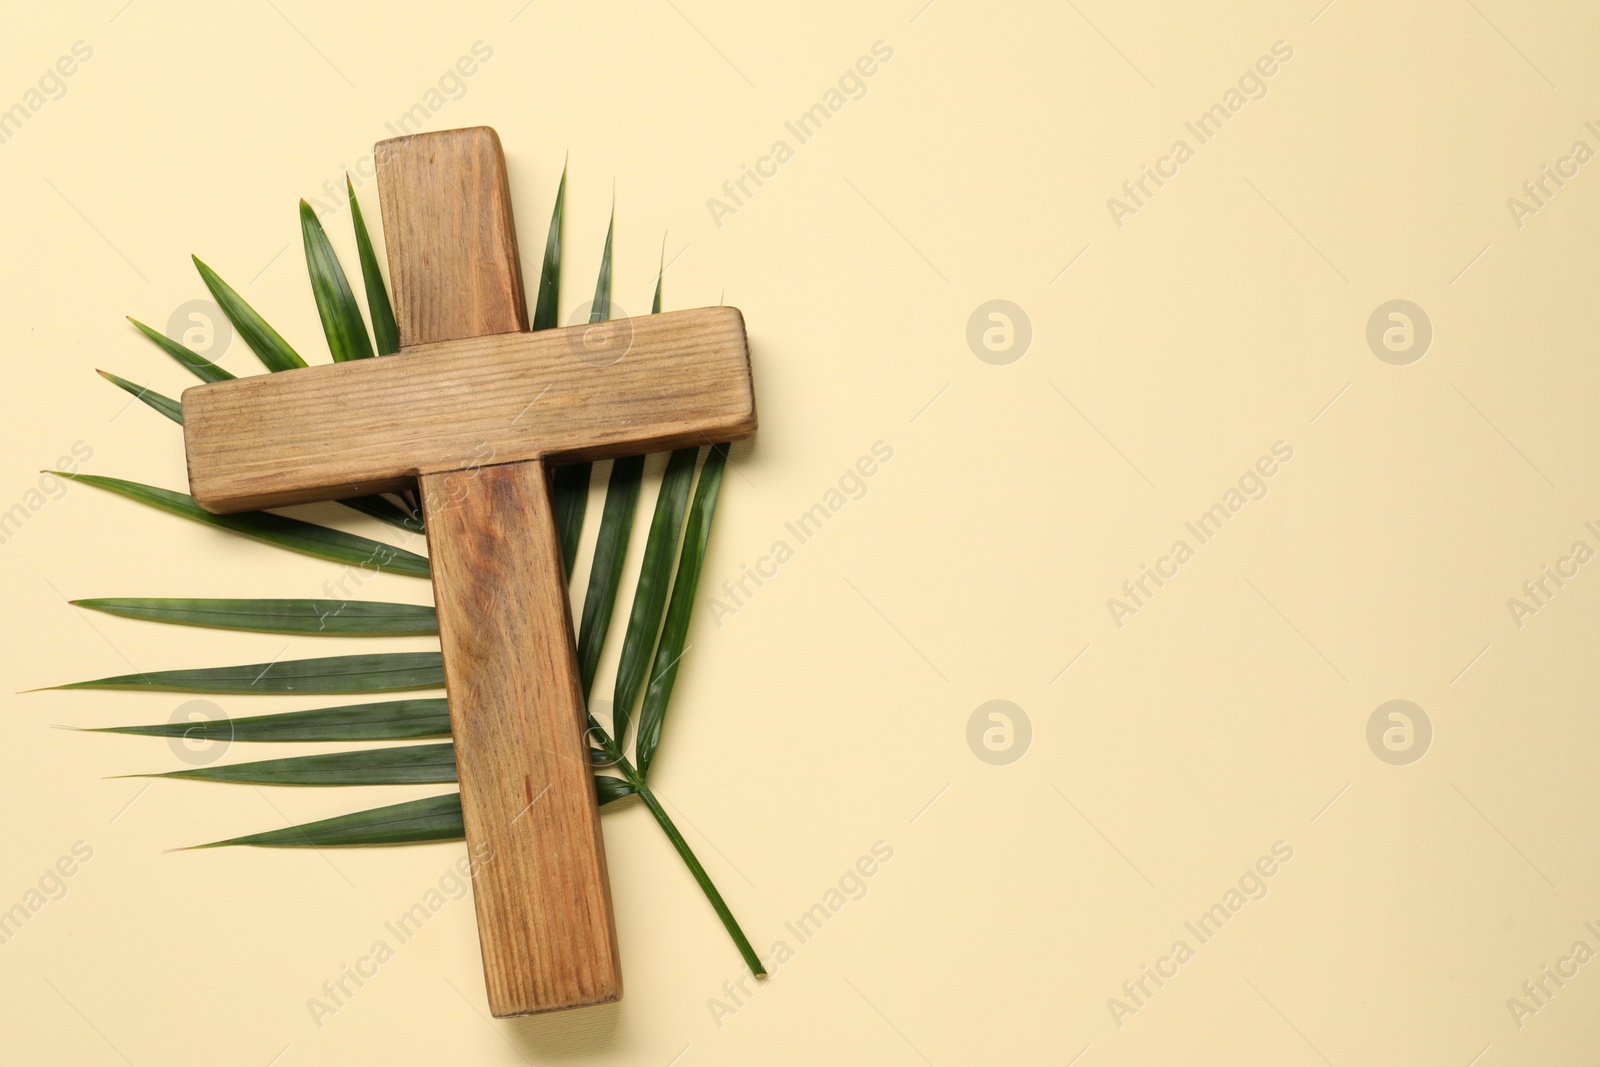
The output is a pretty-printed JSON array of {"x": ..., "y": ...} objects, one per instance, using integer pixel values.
[{"x": 516, "y": 711}]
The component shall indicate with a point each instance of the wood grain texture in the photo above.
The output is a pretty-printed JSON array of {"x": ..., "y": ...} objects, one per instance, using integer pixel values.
[
  {"x": 511, "y": 676},
  {"x": 346, "y": 429},
  {"x": 516, "y": 713},
  {"x": 447, "y": 223}
]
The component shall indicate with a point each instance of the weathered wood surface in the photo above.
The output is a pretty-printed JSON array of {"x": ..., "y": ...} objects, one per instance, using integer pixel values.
[
  {"x": 532, "y": 824},
  {"x": 373, "y": 425},
  {"x": 516, "y": 713},
  {"x": 453, "y": 266}
]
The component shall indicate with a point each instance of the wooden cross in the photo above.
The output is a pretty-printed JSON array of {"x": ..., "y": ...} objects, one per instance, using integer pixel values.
[{"x": 473, "y": 410}]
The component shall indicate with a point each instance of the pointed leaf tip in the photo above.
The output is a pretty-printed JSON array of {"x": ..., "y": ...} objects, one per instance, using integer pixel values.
[
  {"x": 385, "y": 331},
  {"x": 269, "y": 346},
  {"x": 164, "y": 404},
  {"x": 546, "y": 305},
  {"x": 342, "y": 322},
  {"x": 198, "y": 365}
]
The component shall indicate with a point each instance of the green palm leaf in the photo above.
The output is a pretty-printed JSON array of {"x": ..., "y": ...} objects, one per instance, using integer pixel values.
[
  {"x": 569, "y": 489},
  {"x": 428, "y": 819},
  {"x": 404, "y": 765},
  {"x": 336, "y": 304},
  {"x": 343, "y": 618},
  {"x": 611, "y": 547},
  {"x": 371, "y": 673},
  {"x": 324, "y": 542},
  {"x": 675, "y": 630},
  {"x": 600, "y": 309},
  {"x": 546, "y": 309},
  {"x": 650, "y": 595},
  {"x": 605, "y": 574},
  {"x": 164, "y": 404},
  {"x": 269, "y": 347},
  {"x": 202, "y": 367},
  {"x": 609, "y": 789},
  {"x": 655, "y": 303},
  {"x": 384, "y": 720},
  {"x": 384, "y": 329},
  {"x": 570, "y": 486}
]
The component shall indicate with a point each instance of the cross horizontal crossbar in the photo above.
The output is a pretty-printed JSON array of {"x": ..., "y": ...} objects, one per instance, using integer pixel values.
[{"x": 587, "y": 392}]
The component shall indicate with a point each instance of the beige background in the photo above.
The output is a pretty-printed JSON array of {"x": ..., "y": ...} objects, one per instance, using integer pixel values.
[{"x": 831, "y": 711}]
